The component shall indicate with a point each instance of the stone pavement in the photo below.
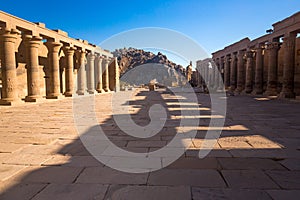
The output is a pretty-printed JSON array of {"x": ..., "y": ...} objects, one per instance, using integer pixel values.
[{"x": 256, "y": 157}]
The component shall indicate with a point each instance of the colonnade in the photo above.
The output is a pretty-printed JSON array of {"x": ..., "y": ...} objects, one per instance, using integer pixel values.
[
  {"x": 267, "y": 65},
  {"x": 87, "y": 69},
  {"x": 243, "y": 70}
]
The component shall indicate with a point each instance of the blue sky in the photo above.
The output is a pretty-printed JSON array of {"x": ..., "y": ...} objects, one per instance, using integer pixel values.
[{"x": 212, "y": 23}]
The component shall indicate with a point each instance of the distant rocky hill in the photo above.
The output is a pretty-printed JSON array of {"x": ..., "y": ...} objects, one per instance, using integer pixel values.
[{"x": 131, "y": 57}]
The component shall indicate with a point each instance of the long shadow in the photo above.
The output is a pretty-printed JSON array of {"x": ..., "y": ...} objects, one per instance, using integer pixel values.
[{"x": 81, "y": 176}]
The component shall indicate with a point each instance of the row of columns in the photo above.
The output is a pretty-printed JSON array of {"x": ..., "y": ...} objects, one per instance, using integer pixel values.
[
  {"x": 242, "y": 75},
  {"x": 8, "y": 38}
]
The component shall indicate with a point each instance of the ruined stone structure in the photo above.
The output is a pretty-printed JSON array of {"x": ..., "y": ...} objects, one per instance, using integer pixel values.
[
  {"x": 267, "y": 65},
  {"x": 189, "y": 72},
  {"x": 37, "y": 62}
]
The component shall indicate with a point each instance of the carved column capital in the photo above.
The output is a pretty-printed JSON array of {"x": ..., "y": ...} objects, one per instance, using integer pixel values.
[
  {"x": 98, "y": 58},
  {"x": 53, "y": 47},
  {"x": 233, "y": 56},
  {"x": 9, "y": 35},
  {"x": 106, "y": 61},
  {"x": 273, "y": 46},
  {"x": 249, "y": 54},
  {"x": 69, "y": 51},
  {"x": 227, "y": 58},
  {"x": 91, "y": 56},
  {"x": 289, "y": 41}
]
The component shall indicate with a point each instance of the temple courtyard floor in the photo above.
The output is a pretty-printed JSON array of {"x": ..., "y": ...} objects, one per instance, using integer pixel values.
[{"x": 257, "y": 155}]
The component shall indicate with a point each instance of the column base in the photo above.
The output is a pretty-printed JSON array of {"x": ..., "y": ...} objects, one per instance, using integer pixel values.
[
  {"x": 68, "y": 94},
  {"x": 91, "y": 91},
  {"x": 6, "y": 102},
  {"x": 100, "y": 90},
  {"x": 107, "y": 90},
  {"x": 270, "y": 93},
  {"x": 80, "y": 92},
  {"x": 220, "y": 89},
  {"x": 232, "y": 88},
  {"x": 248, "y": 91},
  {"x": 287, "y": 95},
  {"x": 239, "y": 90},
  {"x": 54, "y": 97},
  {"x": 257, "y": 92},
  {"x": 32, "y": 99}
]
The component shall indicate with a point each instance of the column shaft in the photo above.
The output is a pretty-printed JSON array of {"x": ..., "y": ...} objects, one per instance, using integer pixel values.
[
  {"x": 272, "y": 48},
  {"x": 81, "y": 77},
  {"x": 53, "y": 58},
  {"x": 216, "y": 75},
  {"x": 99, "y": 84},
  {"x": 105, "y": 75},
  {"x": 8, "y": 65},
  {"x": 249, "y": 72},
  {"x": 233, "y": 72},
  {"x": 32, "y": 64},
  {"x": 114, "y": 81},
  {"x": 289, "y": 43},
  {"x": 258, "y": 81},
  {"x": 240, "y": 72},
  {"x": 69, "y": 53},
  {"x": 90, "y": 73},
  {"x": 227, "y": 72}
]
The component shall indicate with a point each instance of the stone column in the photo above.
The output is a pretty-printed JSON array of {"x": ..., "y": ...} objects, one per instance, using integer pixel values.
[
  {"x": 272, "y": 48},
  {"x": 32, "y": 64},
  {"x": 221, "y": 70},
  {"x": 240, "y": 72},
  {"x": 114, "y": 77},
  {"x": 99, "y": 84},
  {"x": 105, "y": 75},
  {"x": 289, "y": 42},
  {"x": 69, "y": 53},
  {"x": 258, "y": 80},
  {"x": 227, "y": 72},
  {"x": 233, "y": 72},
  {"x": 53, "y": 59},
  {"x": 249, "y": 72},
  {"x": 81, "y": 72},
  {"x": 219, "y": 74},
  {"x": 198, "y": 78},
  {"x": 90, "y": 73},
  {"x": 206, "y": 75},
  {"x": 216, "y": 74},
  {"x": 9, "y": 94}
]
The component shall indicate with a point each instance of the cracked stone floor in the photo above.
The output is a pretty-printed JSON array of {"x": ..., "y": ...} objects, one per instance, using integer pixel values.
[{"x": 257, "y": 155}]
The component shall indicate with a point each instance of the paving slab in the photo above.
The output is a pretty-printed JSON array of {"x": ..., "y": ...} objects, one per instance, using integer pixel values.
[
  {"x": 149, "y": 192},
  {"x": 106, "y": 175},
  {"x": 10, "y": 147},
  {"x": 284, "y": 194},
  {"x": 73, "y": 161},
  {"x": 247, "y": 179},
  {"x": 26, "y": 159},
  {"x": 232, "y": 194},
  {"x": 7, "y": 171},
  {"x": 193, "y": 163},
  {"x": 21, "y": 191},
  {"x": 249, "y": 163},
  {"x": 72, "y": 192},
  {"x": 291, "y": 163},
  {"x": 201, "y": 177},
  {"x": 286, "y": 179},
  {"x": 54, "y": 174}
]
